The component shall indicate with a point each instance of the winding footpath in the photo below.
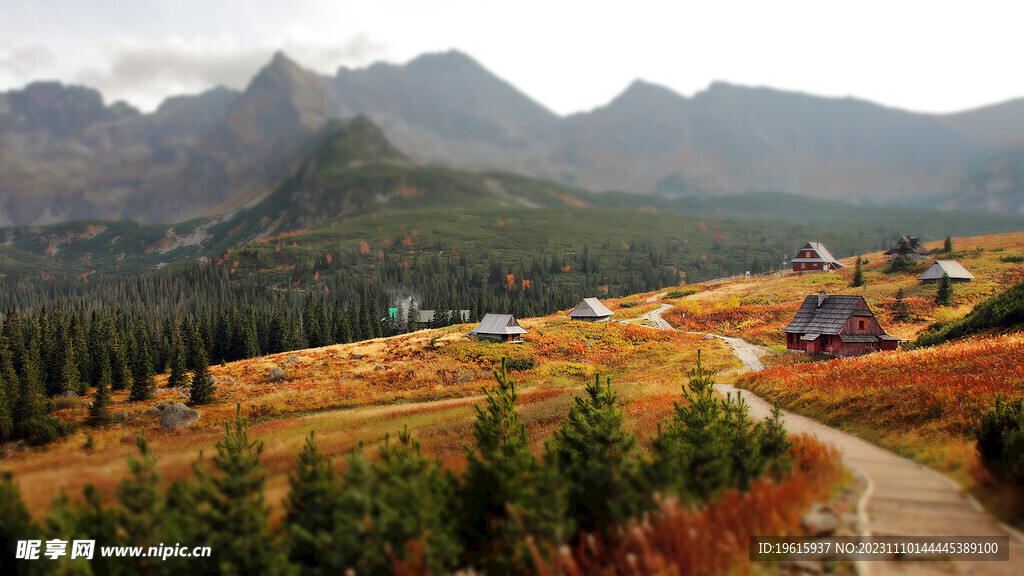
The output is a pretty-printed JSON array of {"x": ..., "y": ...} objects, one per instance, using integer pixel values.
[{"x": 903, "y": 498}]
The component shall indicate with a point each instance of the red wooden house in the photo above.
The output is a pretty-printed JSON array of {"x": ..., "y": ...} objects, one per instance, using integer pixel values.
[
  {"x": 814, "y": 257},
  {"x": 840, "y": 325}
]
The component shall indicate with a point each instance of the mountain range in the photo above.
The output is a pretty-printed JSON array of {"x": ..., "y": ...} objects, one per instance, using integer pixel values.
[{"x": 66, "y": 155}]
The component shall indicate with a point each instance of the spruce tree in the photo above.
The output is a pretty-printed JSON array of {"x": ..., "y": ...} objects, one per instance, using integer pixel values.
[
  {"x": 142, "y": 376},
  {"x": 591, "y": 451},
  {"x": 66, "y": 378},
  {"x": 9, "y": 385},
  {"x": 775, "y": 444},
  {"x": 506, "y": 496},
  {"x": 29, "y": 406},
  {"x": 402, "y": 498},
  {"x": 413, "y": 316},
  {"x": 120, "y": 370},
  {"x": 178, "y": 378},
  {"x": 202, "y": 389},
  {"x": 197, "y": 350},
  {"x": 708, "y": 446},
  {"x": 310, "y": 509},
  {"x": 944, "y": 295},
  {"x": 139, "y": 501},
  {"x": 231, "y": 506},
  {"x": 99, "y": 412},
  {"x": 947, "y": 246},
  {"x": 858, "y": 275},
  {"x": 900, "y": 310},
  {"x": 278, "y": 330},
  {"x": 15, "y": 523}
]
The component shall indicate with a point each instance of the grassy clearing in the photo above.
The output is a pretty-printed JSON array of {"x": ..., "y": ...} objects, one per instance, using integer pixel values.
[
  {"x": 428, "y": 380},
  {"x": 758, "y": 309}
]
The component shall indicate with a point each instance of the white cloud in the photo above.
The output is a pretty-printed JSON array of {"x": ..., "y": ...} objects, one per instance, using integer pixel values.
[
  {"x": 146, "y": 73},
  {"x": 26, "y": 62}
]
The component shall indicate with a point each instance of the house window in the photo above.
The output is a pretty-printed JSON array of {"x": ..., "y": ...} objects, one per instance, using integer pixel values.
[{"x": 860, "y": 324}]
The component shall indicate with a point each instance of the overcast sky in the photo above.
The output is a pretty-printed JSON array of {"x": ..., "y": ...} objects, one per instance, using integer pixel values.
[{"x": 570, "y": 56}]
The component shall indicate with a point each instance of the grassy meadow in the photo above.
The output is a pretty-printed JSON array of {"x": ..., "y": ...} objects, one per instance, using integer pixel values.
[{"x": 428, "y": 380}]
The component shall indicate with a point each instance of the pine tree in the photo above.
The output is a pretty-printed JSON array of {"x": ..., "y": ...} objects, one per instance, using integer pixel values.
[
  {"x": 506, "y": 496},
  {"x": 708, "y": 446},
  {"x": 120, "y": 371},
  {"x": 29, "y": 403},
  {"x": 858, "y": 275},
  {"x": 310, "y": 509},
  {"x": 900, "y": 310},
  {"x": 202, "y": 390},
  {"x": 947, "y": 246},
  {"x": 66, "y": 378},
  {"x": 592, "y": 452},
  {"x": 14, "y": 338},
  {"x": 231, "y": 505},
  {"x": 15, "y": 523},
  {"x": 197, "y": 350},
  {"x": 178, "y": 378},
  {"x": 139, "y": 501},
  {"x": 403, "y": 497},
  {"x": 944, "y": 295},
  {"x": 142, "y": 377},
  {"x": 775, "y": 444},
  {"x": 413, "y": 316},
  {"x": 9, "y": 385},
  {"x": 99, "y": 412},
  {"x": 278, "y": 330}
]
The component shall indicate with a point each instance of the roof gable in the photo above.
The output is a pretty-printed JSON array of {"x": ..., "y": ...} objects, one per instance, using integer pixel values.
[
  {"x": 951, "y": 268},
  {"x": 590, "y": 308},
  {"x": 821, "y": 254},
  {"x": 828, "y": 318},
  {"x": 499, "y": 324}
]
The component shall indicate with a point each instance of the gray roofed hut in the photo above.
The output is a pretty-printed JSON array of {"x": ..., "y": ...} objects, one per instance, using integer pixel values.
[
  {"x": 956, "y": 272},
  {"x": 840, "y": 325},
  {"x": 907, "y": 247},
  {"x": 591, "y": 310},
  {"x": 501, "y": 327},
  {"x": 814, "y": 257}
]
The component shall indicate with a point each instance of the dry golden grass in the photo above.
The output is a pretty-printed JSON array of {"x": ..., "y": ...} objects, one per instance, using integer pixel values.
[
  {"x": 428, "y": 380},
  {"x": 758, "y": 309}
]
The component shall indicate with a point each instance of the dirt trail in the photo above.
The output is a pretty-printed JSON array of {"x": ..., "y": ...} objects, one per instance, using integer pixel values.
[
  {"x": 654, "y": 316},
  {"x": 903, "y": 498}
]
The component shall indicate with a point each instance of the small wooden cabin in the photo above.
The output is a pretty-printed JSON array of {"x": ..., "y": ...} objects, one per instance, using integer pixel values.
[
  {"x": 956, "y": 272},
  {"x": 839, "y": 325},
  {"x": 591, "y": 310},
  {"x": 907, "y": 247},
  {"x": 501, "y": 327},
  {"x": 814, "y": 257}
]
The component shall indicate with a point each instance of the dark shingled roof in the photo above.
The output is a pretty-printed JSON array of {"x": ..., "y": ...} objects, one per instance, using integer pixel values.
[{"x": 829, "y": 318}]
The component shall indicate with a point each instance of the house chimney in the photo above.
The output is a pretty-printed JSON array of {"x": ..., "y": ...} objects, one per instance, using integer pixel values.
[{"x": 821, "y": 298}]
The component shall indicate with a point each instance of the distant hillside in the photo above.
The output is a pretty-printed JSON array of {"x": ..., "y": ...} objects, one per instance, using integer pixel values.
[
  {"x": 66, "y": 155},
  {"x": 348, "y": 189}
]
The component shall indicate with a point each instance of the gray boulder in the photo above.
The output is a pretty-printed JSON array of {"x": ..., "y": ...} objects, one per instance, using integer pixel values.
[
  {"x": 464, "y": 378},
  {"x": 276, "y": 373},
  {"x": 820, "y": 521},
  {"x": 178, "y": 415},
  {"x": 68, "y": 394},
  {"x": 709, "y": 337}
]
